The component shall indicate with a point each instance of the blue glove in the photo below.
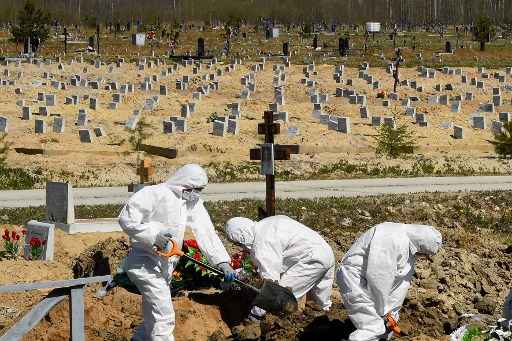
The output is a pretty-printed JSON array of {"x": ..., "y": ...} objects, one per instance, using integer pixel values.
[{"x": 229, "y": 273}]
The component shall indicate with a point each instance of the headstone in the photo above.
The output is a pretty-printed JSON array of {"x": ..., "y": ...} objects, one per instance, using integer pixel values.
[
  {"x": 4, "y": 124},
  {"x": 456, "y": 107},
  {"x": 344, "y": 125},
  {"x": 363, "y": 112},
  {"x": 163, "y": 90},
  {"x": 504, "y": 117},
  {"x": 99, "y": 131},
  {"x": 497, "y": 101},
  {"x": 26, "y": 113},
  {"x": 40, "y": 126},
  {"x": 58, "y": 124},
  {"x": 390, "y": 122},
  {"x": 168, "y": 127},
  {"x": 39, "y": 241},
  {"x": 478, "y": 122},
  {"x": 50, "y": 100},
  {"x": 497, "y": 127},
  {"x": 43, "y": 111},
  {"x": 233, "y": 127},
  {"x": 85, "y": 135},
  {"x": 458, "y": 132},
  {"x": 93, "y": 103},
  {"x": 180, "y": 123},
  {"x": 60, "y": 207},
  {"x": 376, "y": 121}
]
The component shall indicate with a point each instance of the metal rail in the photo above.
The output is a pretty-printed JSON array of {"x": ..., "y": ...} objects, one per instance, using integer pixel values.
[{"x": 73, "y": 289}]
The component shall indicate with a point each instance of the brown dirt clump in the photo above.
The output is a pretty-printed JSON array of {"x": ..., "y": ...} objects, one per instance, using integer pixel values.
[{"x": 100, "y": 259}]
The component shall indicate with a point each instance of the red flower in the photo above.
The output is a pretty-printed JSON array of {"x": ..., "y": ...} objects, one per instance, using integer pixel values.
[
  {"x": 6, "y": 235},
  {"x": 35, "y": 242},
  {"x": 198, "y": 256},
  {"x": 191, "y": 243},
  {"x": 24, "y": 232}
]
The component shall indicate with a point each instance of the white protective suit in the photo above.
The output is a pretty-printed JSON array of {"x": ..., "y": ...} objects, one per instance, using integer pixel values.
[
  {"x": 375, "y": 274},
  {"x": 289, "y": 252},
  {"x": 160, "y": 208}
]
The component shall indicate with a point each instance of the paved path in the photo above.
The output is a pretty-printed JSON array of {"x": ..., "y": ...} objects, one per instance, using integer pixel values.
[{"x": 289, "y": 189}]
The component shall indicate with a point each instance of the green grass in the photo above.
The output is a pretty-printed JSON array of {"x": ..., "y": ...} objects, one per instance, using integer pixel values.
[
  {"x": 17, "y": 178},
  {"x": 472, "y": 211}
]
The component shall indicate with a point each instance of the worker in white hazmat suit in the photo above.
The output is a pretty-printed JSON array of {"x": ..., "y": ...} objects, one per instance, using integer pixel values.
[
  {"x": 153, "y": 216},
  {"x": 288, "y": 252},
  {"x": 375, "y": 274}
]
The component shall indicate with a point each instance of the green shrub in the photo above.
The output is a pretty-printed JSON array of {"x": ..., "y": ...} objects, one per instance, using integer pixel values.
[
  {"x": 395, "y": 142},
  {"x": 503, "y": 141}
]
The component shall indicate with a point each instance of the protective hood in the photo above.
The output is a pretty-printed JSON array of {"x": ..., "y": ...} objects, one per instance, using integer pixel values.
[
  {"x": 188, "y": 176},
  {"x": 424, "y": 239},
  {"x": 241, "y": 230}
]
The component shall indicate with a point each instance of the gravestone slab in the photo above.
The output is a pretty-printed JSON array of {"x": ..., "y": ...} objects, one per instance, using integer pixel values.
[
  {"x": 45, "y": 233},
  {"x": 504, "y": 117},
  {"x": 60, "y": 206},
  {"x": 168, "y": 127},
  {"x": 58, "y": 124},
  {"x": 458, "y": 132},
  {"x": 4, "y": 124},
  {"x": 85, "y": 135},
  {"x": 26, "y": 113},
  {"x": 478, "y": 122},
  {"x": 40, "y": 126}
]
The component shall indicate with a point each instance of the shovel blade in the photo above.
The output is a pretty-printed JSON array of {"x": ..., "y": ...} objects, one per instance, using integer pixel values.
[{"x": 276, "y": 299}]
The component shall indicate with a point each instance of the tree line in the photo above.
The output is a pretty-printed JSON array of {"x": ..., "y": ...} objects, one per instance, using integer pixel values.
[{"x": 405, "y": 12}]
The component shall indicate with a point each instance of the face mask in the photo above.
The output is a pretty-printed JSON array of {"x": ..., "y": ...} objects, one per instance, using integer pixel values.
[{"x": 191, "y": 195}]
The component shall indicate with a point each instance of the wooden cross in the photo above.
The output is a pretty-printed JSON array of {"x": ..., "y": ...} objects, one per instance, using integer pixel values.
[
  {"x": 145, "y": 171},
  {"x": 267, "y": 154}
]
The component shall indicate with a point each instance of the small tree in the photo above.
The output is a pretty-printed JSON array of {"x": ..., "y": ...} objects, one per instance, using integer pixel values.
[
  {"x": 137, "y": 138},
  {"x": 483, "y": 31},
  {"x": 503, "y": 141},
  {"x": 394, "y": 142},
  {"x": 31, "y": 23}
]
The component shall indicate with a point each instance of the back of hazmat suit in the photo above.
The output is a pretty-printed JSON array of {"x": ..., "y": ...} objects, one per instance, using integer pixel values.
[
  {"x": 153, "y": 210},
  {"x": 288, "y": 252},
  {"x": 375, "y": 274}
]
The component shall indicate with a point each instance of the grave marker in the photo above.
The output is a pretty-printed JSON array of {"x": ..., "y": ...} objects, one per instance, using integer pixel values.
[{"x": 45, "y": 233}]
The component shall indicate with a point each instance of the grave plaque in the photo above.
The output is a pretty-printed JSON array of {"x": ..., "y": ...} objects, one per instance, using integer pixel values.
[
  {"x": 4, "y": 124},
  {"x": 60, "y": 207},
  {"x": 85, "y": 135},
  {"x": 58, "y": 124},
  {"x": 45, "y": 233}
]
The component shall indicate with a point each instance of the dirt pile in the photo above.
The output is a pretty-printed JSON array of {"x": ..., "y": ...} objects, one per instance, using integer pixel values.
[{"x": 100, "y": 259}]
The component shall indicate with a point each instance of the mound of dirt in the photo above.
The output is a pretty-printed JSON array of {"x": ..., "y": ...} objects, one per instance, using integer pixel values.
[
  {"x": 100, "y": 259},
  {"x": 114, "y": 318}
]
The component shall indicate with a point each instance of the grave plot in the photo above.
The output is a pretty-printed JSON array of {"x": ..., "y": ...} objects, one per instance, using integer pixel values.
[{"x": 330, "y": 109}]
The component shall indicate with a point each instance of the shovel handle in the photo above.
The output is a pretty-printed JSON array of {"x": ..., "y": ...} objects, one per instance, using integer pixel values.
[
  {"x": 175, "y": 251},
  {"x": 393, "y": 325}
]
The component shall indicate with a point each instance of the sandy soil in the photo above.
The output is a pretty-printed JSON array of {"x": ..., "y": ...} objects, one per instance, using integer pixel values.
[
  {"x": 104, "y": 162},
  {"x": 470, "y": 275}
]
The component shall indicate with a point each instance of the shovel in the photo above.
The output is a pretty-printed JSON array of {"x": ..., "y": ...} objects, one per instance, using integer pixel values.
[{"x": 271, "y": 297}]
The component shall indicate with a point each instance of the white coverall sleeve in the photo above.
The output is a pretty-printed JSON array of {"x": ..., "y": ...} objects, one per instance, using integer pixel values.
[
  {"x": 381, "y": 273},
  {"x": 206, "y": 236},
  {"x": 269, "y": 260},
  {"x": 136, "y": 210}
]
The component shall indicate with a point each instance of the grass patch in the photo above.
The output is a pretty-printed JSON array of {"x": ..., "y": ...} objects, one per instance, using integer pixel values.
[
  {"x": 471, "y": 211},
  {"x": 17, "y": 178}
]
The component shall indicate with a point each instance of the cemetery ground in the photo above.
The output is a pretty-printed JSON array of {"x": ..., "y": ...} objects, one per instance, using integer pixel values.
[
  {"x": 110, "y": 159},
  {"x": 471, "y": 274}
]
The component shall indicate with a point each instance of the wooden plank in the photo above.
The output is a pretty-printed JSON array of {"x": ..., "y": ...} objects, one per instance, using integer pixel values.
[
  {"x": 77, "y": 314},
  {"x": 169, "y": 153},
  {"x": 255, "y": 154},
  {"x": 53, "y": 284},
  {"x": 32, "y": 318}
]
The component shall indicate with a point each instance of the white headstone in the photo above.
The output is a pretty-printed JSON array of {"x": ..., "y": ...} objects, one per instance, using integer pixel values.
[{"x": 39, "y": 241}]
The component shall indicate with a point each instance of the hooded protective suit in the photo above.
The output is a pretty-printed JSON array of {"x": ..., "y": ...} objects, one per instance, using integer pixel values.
[
  {"x": 376, "y": 273},
  {"x": 161, "y": 208},
  {"x": 289, "y": 252}
]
